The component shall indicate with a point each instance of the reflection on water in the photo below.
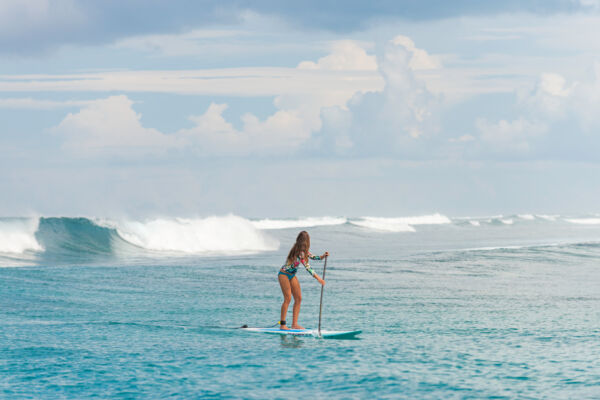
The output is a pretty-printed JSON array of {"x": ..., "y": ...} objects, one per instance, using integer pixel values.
[{"x": 291, "y": 341}]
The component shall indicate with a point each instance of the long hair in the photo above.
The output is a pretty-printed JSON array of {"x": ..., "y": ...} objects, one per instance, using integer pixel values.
[{"x": 301, "y": 246}]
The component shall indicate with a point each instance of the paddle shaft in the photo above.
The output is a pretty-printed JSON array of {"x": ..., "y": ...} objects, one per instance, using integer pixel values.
[{"x": 321, "y": 303}]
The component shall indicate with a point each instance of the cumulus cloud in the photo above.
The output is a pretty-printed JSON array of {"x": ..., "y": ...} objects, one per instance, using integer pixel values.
[
  {"x": 345, "y": 55},
  {"x": 556, "y": 99},
  {"x": 549, "y": 96},
  {"x": 110, "y": 126},
  {"x": 419, "y": 58},
  {"x": 556, "y": 119},
  {"x": 393, "y": 119},
  {"x": 285, "y": 129}
]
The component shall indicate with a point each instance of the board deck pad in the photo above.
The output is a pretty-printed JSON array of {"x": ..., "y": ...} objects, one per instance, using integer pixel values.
[{"x": 305, "y": 332}]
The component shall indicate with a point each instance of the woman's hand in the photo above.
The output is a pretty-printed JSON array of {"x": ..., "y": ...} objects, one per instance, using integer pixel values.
[
  {"x": 321, "y": 281},
  {"x": 326, "y": 254}
]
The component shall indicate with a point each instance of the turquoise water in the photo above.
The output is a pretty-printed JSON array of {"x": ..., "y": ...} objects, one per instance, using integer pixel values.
[{"x": 449, "y": 310}]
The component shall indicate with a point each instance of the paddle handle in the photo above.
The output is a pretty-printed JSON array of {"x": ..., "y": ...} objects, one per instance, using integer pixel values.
[{"x": 322, "y": 288}]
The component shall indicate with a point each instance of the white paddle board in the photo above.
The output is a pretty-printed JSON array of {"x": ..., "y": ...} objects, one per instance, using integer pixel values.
[{"x": 306, "y": 332}]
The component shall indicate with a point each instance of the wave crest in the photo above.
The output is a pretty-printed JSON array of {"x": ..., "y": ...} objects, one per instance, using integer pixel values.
[
  {"x": 212, "y": 235},
  {"x": 400, "y": 224}
]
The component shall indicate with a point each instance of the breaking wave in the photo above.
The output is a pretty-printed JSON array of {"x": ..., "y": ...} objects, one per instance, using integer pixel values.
[
  {"x": 229, "y": 234},
  {"x": 401, "y": 224},
  {"x": 584, "y": 221},
  {"x": 61, "y": 239},
  {"x": 17, "y": 235},
  {"x": 527, "y": 217}
]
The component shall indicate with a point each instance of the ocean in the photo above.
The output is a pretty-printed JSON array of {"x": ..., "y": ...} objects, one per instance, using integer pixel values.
[{"x": 503, "y": 306}]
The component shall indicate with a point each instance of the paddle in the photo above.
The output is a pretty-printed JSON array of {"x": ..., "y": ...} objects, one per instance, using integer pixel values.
[{"x": 321, "y": 303}]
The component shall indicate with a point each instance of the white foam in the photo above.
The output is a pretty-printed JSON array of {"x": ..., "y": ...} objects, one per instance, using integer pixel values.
[
  {"x": 298, "y": 223},
  {"x": 527, "y": 217},
  {"x": 507, "y": 221},
  {"x": 474, "y": 223},
  {"x": 401, "y": 224},
  {"x": 18, "y": 235},
  {"x": 547, "y": 217},
  {"x": 584, "y": 221},
  {"x": 212, "y": 235}
]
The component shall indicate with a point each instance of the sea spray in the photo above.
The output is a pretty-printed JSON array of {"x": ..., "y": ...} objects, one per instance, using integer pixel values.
[
  {"x": 212, "y": 235},
  {"x": 17, "y": 235}
]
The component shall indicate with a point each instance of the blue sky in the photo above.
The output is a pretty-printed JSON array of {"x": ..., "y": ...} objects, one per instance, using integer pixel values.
[{"x": 267, "y": 108}]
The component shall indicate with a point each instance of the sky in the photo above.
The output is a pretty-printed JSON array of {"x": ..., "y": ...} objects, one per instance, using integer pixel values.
[{"x": 149, "y": 108}]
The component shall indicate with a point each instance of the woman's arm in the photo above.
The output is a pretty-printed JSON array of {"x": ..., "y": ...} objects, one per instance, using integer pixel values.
[
  {"x": 326, "y": 254},
  {"x": 306, "y": 264}
]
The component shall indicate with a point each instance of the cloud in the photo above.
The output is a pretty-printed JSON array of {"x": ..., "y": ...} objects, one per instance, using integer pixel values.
[
  {"x": 463, "y": 139},
  {"x": 212, "y": 134},
  {"x": 419, "y": 58},
  {"x": 259, "y": 81},
  {"x": 549, "y": 96},
  {"x": 110, "y": 126},
  {"x": 556, "y": 119},
  {"x": 391, "y": 120},
  {"x": 346, "y": 55},
  {"x": 37, "y": 26},
  {"x": 556, "y": 99},
  {"x": 194, "y": 42},
  {"x": 37, "y": 104},
  {"x": 510, "y": 135}
]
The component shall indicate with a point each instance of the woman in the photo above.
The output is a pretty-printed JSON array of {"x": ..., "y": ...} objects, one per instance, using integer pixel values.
[{"x": 299, "y": 254}]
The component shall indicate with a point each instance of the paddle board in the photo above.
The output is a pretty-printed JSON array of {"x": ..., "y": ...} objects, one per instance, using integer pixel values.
[{"x": 306, "y": 332}]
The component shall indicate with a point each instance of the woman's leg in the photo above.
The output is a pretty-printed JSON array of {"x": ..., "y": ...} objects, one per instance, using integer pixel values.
[
  {"x": 284, "y": 282},
  {"x": 297, "y": 293}
]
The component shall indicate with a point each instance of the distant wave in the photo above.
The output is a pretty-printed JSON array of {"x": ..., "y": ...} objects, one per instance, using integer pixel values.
[
  {"x": 528, "y": 217},
  {"x": 401, "y": 224},
  {"x": 584, "y": 221},
  {"x": 298, "y": 223},
  {"x": 566, "y": 244}
]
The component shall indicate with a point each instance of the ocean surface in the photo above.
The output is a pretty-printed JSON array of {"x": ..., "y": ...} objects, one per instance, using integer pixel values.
[{"x": 473, "y": 307}]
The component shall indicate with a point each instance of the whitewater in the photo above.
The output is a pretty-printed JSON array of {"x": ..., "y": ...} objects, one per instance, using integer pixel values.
[{"x": 491, "y": 306}]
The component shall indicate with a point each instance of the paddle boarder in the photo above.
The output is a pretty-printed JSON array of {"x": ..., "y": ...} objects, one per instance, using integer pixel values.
[{"x": 299, "y": 254}]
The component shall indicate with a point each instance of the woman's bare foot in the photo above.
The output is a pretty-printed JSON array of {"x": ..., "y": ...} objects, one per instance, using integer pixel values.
[
  {"x": 283, "y": 327},
  {"x": 297, "y": 327}
]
